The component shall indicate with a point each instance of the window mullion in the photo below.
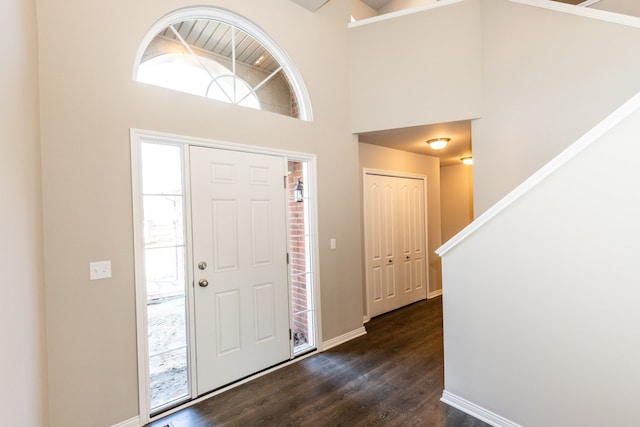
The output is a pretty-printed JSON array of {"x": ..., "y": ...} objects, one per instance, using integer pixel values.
[
  {"x": 233, "y": 64},
  {"x": 259, "y": 85}
]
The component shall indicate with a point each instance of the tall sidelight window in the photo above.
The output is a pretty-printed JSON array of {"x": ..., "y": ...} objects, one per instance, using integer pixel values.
[
  {"x": 216, "y": 54},
  {"x": 165, "y": 259},
  {"x": 300, "y": 265}
]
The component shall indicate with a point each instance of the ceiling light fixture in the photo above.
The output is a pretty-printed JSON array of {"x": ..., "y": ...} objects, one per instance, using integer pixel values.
[
  {"x": 438, "y": 143},
  {"x": 467, "y": 160}
]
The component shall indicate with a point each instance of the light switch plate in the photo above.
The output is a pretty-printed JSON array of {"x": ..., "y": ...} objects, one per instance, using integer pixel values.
[
  {"x": 332, "y": 243},
  {"x": 99, "y": 270}
]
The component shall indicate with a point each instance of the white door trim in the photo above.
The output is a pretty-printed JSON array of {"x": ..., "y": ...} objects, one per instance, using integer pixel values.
[
  {"x": 369, "y": 171},
  {"x": 137, "y": 137}
]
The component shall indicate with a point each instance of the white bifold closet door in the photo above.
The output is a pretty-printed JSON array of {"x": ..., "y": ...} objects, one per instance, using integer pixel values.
[{"x": 395, "y": 239}]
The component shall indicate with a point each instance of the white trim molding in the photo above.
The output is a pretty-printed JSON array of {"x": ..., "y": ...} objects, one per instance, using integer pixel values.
[
  {"x": 476, "y": 411},
  {"x": 341, "y": 339},
  {"x": 403, "y": 12},
  {"x": 131, "y": 422},
  {"x": 434, "y": 294}
]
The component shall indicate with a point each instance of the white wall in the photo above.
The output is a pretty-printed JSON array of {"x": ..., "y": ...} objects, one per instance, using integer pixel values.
[
  {"x": 382, "y": 158},
  {"x": 548, "y": 77},
  {"x": 541, "y": 303},
  {"x": 23, "y": 384},
  {"x": 413, "y": 70},
  {"x": 89, "y": 103},
  {"x": 456, "y": 199}
]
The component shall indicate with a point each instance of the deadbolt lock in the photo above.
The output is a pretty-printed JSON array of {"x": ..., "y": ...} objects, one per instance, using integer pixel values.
[{"x": 202, "y": 265}]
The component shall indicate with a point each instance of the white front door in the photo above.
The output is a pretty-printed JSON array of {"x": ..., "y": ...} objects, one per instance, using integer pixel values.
[
  {"x": 240, "y": 268},
  {"x": 395, "y": 242}
]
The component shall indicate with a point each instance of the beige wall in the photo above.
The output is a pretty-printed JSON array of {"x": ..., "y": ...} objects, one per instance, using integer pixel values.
[
  {"x": 544, "y": 89},
  {"x": 381, "y": 158},
  {"x": 23, "y": 384},
  {"x": 89, "y": 103},
  {"x": 456, "y": 199},
  {"x": 413, "y": 70}
]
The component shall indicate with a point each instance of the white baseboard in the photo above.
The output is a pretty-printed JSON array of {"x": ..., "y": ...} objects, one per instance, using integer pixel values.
[
  {"x": 326, "y": 345},
  {"x": 434, "y": 294},
  {"x": 476, "y": 411},
  {"x": 131, "y": 422},
  {"x": 366, "y": 319}
]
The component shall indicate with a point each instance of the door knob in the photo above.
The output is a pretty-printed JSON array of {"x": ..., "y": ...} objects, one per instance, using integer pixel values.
[
  {"x": 203, "y": 283},
  {"x": 202, "y": 265}
]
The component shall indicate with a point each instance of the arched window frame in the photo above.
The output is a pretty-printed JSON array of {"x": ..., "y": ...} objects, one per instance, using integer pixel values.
[{"x": 230, "y": 18}]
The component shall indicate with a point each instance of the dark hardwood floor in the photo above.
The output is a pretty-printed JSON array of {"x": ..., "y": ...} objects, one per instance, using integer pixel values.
[{"x": 393, "y": 376}]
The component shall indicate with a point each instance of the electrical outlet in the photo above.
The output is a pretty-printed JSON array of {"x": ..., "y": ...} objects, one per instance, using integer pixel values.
[{"x": 99, "y": 270}]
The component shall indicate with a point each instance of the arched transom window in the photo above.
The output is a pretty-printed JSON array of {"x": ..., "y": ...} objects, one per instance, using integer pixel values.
[{"x": 217, "y": 54}]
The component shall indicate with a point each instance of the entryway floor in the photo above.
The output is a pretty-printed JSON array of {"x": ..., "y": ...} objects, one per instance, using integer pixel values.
[{"x": 392, "y": 376}]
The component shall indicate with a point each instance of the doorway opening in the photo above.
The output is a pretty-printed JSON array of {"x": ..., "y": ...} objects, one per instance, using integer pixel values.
[{"x": 168, "y": 275}]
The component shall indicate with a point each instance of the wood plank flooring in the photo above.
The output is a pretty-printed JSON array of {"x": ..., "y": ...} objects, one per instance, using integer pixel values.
[{"x": 393, "y": 376}]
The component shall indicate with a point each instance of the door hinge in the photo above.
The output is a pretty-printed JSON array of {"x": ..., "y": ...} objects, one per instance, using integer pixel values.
[
  {"x": 285, "y": 181},
  {"x": 290, "y": 336},
  {"x": 287, "y": 258}
]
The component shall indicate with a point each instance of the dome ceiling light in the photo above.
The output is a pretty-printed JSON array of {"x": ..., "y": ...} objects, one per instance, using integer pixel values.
[{"x": 438, "y": 143}]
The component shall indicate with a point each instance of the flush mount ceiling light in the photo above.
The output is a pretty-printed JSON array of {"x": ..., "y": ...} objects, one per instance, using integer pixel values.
[
  {"x": 467, "y": 160},
  {"x": 438, "y": 143}
]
